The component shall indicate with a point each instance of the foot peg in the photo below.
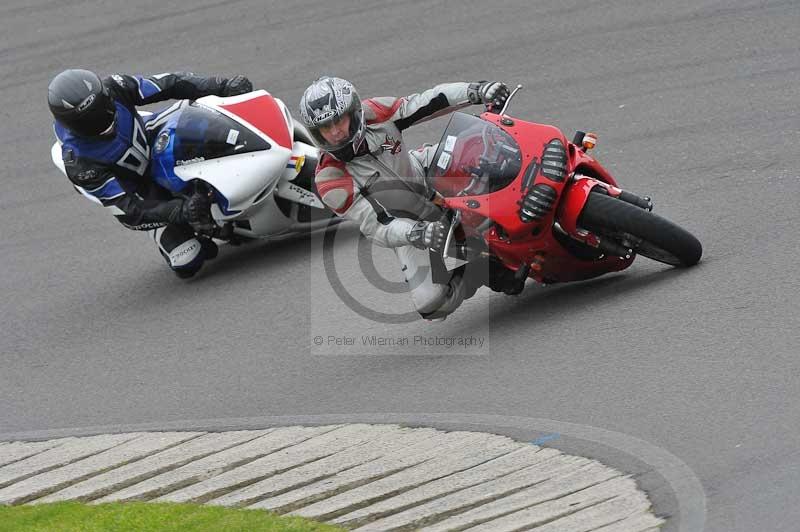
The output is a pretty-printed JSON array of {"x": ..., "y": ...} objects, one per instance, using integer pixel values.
[
  {"x": 506, "y": 280},
  {"x": 519, "y": 281}
]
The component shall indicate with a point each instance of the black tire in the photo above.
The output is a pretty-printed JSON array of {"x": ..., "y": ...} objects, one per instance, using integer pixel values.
[{"x": 661, "y": 240}]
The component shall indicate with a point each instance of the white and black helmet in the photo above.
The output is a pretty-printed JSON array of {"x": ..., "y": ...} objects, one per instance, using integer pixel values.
[{"x": 326, "y": 101}]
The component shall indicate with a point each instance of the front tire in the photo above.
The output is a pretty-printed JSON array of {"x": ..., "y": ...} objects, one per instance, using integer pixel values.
[{"x": 653, "y": 236}]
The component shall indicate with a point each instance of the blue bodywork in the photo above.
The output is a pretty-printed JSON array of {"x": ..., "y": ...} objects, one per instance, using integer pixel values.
[
  {"x": 162, "y": 163},
  {"x": 194, "y": 132}
]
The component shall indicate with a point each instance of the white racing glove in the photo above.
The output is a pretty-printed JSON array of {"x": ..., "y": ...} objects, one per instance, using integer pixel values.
[
  {"x": 428, "y": 235},
  {"x": 494, "y": 93}
]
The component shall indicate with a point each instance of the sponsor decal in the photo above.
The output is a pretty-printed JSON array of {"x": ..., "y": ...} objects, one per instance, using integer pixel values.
[
  {"x": 301, "y": 191},
  {"x": 444, "y": 161},
  {"x": 86, "y": 103},
  {"x": 232, "y": 136},
  {"x": 162, "y": 141},
  {"x": 391, "y": 145},
  {"x": 144, "y": 227},
  {"x": 86, "y": 175},
  {"x": 184, "y": 252},
  {"x": 323, "y": 115},
  {"x": 296, "y": 163},
  {"x": 189, "y": 161},
  {"x": 119, "y": 79}
]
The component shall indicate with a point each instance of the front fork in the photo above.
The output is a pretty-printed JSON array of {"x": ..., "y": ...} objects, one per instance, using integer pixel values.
[{"x": 576, "y": 197}]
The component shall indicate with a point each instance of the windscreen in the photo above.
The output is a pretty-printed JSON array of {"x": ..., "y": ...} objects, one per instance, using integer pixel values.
[
  {"x": 474, "y": 157},
  {"x": 203, "y": 133}
]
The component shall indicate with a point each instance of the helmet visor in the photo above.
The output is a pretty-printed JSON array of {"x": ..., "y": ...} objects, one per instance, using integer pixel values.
[
  {"x": 94, "y": 115},
  {"x": 328, "y": 134}
]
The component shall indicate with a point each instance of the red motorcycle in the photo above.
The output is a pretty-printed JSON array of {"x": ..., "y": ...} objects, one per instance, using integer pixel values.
[{"x": 519, "y": 193}]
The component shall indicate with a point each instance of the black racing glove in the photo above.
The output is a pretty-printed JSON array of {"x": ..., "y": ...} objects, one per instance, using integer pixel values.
[
  {"x": 235, "y": 86},
  {"x": 490, "y": 93},
  {"x": 429, "y": 235},
  {"x": 196, "y": 211}
]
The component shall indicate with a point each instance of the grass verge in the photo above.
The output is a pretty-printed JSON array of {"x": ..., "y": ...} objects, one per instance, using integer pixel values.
[{"x": 157, "y": 517}]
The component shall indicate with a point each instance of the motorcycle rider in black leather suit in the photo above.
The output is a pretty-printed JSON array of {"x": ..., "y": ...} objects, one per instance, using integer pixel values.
[{"x": 106, "y": 153}]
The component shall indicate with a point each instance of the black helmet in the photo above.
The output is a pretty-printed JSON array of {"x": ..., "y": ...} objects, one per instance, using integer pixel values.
[{"x": 78, "y": 100}]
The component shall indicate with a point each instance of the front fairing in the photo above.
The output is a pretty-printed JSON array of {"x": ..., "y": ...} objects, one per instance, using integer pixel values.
[
  {"x": 547, "y": 159},
  {"x": 190, "y": 133},
  {"x": 496, "y": 138},
  {"x": 240, "y": 146}
]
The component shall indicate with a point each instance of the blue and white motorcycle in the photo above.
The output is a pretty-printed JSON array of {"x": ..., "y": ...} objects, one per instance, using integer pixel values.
[{"x": 245, "y": 151}]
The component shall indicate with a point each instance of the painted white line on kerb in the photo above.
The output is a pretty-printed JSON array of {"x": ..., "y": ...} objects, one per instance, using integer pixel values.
[
  {"x": 392, "y": 440},
  {"x": 446, "y": 464},
  {"x": 121, "y": 477},
  {"x": 235, "y": 455},
  {"x": 130, "y": 451},
  {"x": 491, "y": 499},
  {"x": 389, "y": 464},
  {"x": 61, "y": 455},
  {"x": 369, "y": 477},
  {"x": 318, "y": 446},
  {"x": 504, "y": 469},
  {"x": 16, "y": 451},
  {"x": 155, "y": 486}
]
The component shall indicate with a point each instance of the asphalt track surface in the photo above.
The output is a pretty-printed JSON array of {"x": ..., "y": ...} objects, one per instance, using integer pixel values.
[{"x": 695, "y": 103}]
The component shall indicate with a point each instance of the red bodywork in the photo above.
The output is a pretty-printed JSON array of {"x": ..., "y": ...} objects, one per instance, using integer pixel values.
[
  {"x": 533, "y": 243},
  {"x": 263, "y": 113}
]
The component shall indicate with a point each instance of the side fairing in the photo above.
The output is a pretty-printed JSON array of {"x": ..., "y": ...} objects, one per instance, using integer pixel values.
[{"x": 240, "y": 180}]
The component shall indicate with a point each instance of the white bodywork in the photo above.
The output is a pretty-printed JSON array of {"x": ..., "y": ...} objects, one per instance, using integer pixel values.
[{"x": 250, "y": 181}]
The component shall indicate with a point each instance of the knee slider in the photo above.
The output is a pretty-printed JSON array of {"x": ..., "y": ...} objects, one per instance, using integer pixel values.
[
  {"x": 447, "y": 302},
  {"x": 180, "y": 248},
  {"x": 186, "y": 255}
]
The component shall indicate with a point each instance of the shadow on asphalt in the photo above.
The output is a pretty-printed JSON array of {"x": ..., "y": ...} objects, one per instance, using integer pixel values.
[
  {"x": 513, "y": 311},
  {"x": 159, "y": 286},
  {"x": 261, "y": 256}
]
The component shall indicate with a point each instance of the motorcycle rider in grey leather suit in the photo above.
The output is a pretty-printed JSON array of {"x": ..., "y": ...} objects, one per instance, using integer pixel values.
[{"x": 363, "y": 150}]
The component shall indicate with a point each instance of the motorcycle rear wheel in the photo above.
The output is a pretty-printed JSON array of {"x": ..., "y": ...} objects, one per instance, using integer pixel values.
[{"x": 655, "y": 237}]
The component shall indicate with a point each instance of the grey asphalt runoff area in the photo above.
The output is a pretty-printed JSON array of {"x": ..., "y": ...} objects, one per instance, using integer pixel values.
[
  {"x": 687, "y": 380},
  {"x": 362, "y": 477}
]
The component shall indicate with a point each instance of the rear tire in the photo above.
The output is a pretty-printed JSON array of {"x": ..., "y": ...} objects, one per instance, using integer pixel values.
[{"x": 661, "y": 240}]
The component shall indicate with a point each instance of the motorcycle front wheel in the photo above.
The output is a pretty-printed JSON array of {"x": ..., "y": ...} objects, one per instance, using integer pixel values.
[{"x": 648, "y": 234}]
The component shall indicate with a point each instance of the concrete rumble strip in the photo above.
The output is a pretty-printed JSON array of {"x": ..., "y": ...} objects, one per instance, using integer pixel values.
[{"x": 359, "y": 476}]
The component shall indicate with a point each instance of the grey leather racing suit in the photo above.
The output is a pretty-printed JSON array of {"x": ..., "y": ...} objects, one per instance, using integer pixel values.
[{"x": 384, "y": 156}]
